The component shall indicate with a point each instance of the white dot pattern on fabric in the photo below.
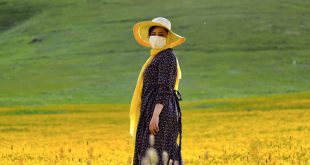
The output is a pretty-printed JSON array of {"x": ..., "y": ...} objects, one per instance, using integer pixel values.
[{"x": 158, "y": 83}]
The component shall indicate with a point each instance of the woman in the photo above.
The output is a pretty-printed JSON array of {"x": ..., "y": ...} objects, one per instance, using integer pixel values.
[{"x": 155, "y": 106}]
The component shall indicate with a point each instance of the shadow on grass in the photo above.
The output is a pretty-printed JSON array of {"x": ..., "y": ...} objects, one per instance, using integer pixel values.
[{"x": 13, "y": 13}]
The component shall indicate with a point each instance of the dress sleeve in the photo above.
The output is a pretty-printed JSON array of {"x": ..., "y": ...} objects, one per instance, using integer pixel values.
[{"x": 166, "y": 76}]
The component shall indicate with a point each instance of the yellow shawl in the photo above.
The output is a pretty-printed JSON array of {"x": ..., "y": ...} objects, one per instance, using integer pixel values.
[{"x": 136, "y": 99}]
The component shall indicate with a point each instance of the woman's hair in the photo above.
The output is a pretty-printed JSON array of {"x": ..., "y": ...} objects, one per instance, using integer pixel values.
[{"x": 153, "y": 27}]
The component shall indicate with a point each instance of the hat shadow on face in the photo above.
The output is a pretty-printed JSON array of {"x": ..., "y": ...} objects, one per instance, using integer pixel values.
[{"x": 158, "y": 30}]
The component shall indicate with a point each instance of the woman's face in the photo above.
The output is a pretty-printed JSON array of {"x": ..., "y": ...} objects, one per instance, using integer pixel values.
[{"x": 159, "y": 31}]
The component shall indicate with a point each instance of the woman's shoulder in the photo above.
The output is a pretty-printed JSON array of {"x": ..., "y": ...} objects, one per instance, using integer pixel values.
[
  {"x": 167, "y": 51},
  {"x": 167, "y": 54}
]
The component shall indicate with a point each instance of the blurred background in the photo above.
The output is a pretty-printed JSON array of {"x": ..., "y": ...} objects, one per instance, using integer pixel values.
[
  {"x": 68, "y": 69},
  {"x": 83, "y": 51}
]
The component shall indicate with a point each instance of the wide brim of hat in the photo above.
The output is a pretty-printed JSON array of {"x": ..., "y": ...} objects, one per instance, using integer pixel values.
[{"x": 141, "y": 34}]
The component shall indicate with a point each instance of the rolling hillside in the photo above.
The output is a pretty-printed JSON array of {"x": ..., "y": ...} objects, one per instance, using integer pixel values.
[{"x": 83, "y": 51}]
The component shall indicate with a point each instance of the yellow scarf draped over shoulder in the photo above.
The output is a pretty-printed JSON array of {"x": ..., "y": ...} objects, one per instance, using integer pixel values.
[{"x": 136, "y": 98}]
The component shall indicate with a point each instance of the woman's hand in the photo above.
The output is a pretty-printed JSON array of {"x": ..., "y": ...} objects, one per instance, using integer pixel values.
[
  {"x": 154, "y": 124},
  {"x": 153, "y": 127}
]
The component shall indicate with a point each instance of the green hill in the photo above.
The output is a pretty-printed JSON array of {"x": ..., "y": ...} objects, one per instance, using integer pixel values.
[{"x": 76, "y": 51}]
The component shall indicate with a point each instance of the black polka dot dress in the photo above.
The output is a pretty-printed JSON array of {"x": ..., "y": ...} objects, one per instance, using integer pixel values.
[{"x": 158, "y": 87}]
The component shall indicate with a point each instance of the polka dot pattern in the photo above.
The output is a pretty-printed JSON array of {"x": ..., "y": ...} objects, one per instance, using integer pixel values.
[{"x": 158, "y": 83}]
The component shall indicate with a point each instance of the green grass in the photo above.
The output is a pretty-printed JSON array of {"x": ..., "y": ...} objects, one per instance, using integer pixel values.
[{"x": 88, "y": 54}]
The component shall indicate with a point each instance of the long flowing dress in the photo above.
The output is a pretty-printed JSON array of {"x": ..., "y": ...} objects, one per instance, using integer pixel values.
[{"x": 158, "y": 87}]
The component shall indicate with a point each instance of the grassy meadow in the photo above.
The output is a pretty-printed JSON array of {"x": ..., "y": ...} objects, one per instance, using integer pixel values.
[
  {"x": 68, "y": 69},
  {"x": 233, "y": 49}
]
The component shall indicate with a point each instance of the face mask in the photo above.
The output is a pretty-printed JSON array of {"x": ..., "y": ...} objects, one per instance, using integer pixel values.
[{"x": 157, "y": 42}]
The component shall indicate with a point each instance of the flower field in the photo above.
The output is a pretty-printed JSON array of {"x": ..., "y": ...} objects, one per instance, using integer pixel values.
[{"x": 257, "y": 130}]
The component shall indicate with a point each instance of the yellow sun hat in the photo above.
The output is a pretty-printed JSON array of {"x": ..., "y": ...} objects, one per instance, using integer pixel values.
[{"x": 141, "y": 32}]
